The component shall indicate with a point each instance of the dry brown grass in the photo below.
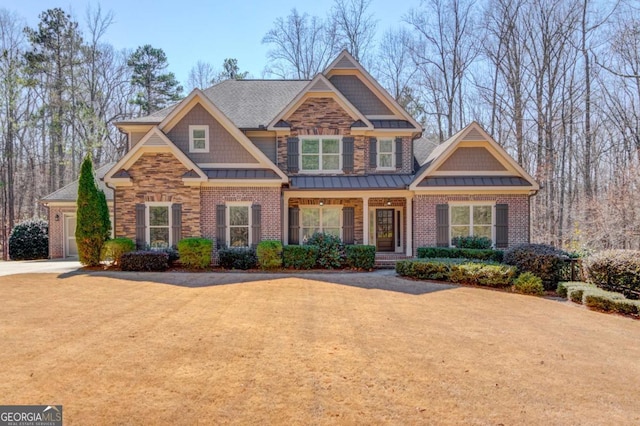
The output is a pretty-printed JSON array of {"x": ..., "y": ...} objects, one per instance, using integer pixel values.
[{"x": 294, "y": 350}]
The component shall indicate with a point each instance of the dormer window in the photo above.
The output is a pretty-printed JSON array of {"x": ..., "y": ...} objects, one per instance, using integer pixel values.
[{"x": 198, "y": 138}]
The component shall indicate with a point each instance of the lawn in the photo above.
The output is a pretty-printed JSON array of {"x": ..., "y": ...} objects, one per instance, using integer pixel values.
[{"x": 305, "y": 351}]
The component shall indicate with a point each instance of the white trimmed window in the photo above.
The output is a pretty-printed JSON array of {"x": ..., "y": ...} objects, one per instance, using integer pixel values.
[
  {"x": 386, "y": 148},
  {"x": 198, "y": 138},
  {"x": 239, "y": 224},
  {"x": 321, "y": 154},
  {"x": 470, "y": 220},
  {"x": 320, "y": 219},
  {"x": 159, "y": 225}
]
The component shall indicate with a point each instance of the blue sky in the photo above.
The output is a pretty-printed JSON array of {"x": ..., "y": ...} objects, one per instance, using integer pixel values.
[{"x": 192, "y": 30}]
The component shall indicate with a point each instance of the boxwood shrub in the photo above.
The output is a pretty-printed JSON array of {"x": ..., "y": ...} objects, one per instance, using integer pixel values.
[
  {"x": 300, "y": 257},
  {"x": 597, "y": 298},
  {"x": 360, "y": 256},
  {"x": 458, "y": 271},
  {"x": 453, "y": 252},
  {"x": 472, "y": 242},
  {"x": 330, "y": 250},
  {"x": 238, "y": 258},
  {"x": 615, "y": 270},
  {"x": 29, "y": 240},
  {"x": 544, "y": 261},
  {"x": 269, "y": 254},
  {"x": 112, "y": 250},
  {"x": 195, "y": 252},
  {"x": 144, "y": 261},
  {"x": 527, "y": 283}
]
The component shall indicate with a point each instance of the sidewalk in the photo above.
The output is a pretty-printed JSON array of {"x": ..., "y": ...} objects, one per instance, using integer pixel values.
[{"x": 57, "y": 266}]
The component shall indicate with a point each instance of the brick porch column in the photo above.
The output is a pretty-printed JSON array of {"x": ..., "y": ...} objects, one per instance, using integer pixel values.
[
  {"x": 409, "y": 222},
  {"x": 365, "y": 220}
]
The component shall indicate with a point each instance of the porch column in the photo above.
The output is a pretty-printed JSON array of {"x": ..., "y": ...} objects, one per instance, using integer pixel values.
[
  {"x": 365, "y": 220},
  {"x": 285, "y": 219},
  {"x": 409, "y": 222}
]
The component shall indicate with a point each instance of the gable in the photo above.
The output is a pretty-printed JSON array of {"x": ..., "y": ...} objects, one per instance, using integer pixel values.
[
  {"x": 319, "y": 113},
  {"x": 223, "y": 146},
  {"x": 360, "y": 95},
  {"x": 466, "y": 159}
]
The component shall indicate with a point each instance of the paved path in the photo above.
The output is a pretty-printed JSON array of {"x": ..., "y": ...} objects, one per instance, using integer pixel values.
[{"x": 38, "y": 266}]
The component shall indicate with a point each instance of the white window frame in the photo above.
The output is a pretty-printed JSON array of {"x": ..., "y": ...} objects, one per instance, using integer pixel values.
[
  {"x": 321, "y": 139},
  {"x": 393, "y": 154},
  {"x": 193, "y": 128},
  {"x": 329, "y": 206},
  {"x": 147, "y": 220},
  {"x": 472, "y": 205},
  {"x": 248, "y": 205}
]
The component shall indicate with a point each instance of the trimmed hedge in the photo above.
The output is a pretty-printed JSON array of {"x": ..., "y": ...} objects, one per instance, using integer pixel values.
[
  {"x": 29, "y": 240},
  {"x": 527, "y": 283},
  {"x": 144, "y": 261},
  {"x": 615, "y": 270},
  {"x": 299, "y": 257},
  {"x": 596, "y": 298},
  {"x": 195, "y": 252},
  {"x": 458, "y": 271},
  {"x": 542, "y": 260},
  {"x": 360, "y": 256},
  {"x": 472, "y": 242},
  {"x": 330, "y": 250},
  {"x": 269, "y": 254},
  {"x": 112, "y": 250},
  {"x": 238, "y": 258},
  {"x": 460, "y": 253}
]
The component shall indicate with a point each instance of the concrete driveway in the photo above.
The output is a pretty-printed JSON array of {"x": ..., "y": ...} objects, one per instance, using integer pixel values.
[{"x": 58, "y": 266}]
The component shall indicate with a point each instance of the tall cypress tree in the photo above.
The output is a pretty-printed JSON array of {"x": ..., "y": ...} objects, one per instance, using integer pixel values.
[{"x": 93, "y": 225}]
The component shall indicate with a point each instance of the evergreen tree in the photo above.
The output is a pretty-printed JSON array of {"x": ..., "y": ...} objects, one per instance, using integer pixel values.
[
  {"x": 156, "y": 88},
  {"x": 93, "y": 225}
]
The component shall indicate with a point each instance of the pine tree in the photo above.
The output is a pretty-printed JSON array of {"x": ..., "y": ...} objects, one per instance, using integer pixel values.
[{"x": 93, "y": 225}]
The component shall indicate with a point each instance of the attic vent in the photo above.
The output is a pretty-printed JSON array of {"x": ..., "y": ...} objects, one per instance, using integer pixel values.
[
  {"x": 320, "y": 86},
  {"x": 345, "y": 62},
  {"x": 473, "y": 135},
  {"x": 155, "y": 140}
]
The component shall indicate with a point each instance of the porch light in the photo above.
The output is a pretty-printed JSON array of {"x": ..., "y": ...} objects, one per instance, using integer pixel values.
[
  {"x": 321, "y": 203},
  {"x": 388, "y": 202},
  {"x": 57, "y": 217}
]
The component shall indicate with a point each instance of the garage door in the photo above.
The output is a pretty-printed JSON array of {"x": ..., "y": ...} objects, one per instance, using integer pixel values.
[{"x": 70, "y": 247}]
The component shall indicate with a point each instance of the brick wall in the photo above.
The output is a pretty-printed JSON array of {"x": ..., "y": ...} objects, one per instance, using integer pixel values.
[
  {"x": 157, "y": 177},
  {"x": 424, "y": 226}
]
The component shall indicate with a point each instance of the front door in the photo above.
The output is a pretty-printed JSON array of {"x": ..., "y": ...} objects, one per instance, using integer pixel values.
[
  {"x": 384, "y": 230},
  {"x": 71, "y": 249}
]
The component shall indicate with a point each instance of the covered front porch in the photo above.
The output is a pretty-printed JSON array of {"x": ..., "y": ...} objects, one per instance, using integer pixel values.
[{"x": 378, "y": 218}]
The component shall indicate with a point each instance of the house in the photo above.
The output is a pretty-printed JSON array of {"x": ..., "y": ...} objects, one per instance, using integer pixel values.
[{"x": 249, "y": 160}]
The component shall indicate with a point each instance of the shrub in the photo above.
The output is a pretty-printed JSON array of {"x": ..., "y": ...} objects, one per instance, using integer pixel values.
[
  {"x": 527, "y": 283},
  {"x": 112, "y": 250},
  {"x": 542, "y": 260},
  {"x": 238, "y": 258},
  {"x": 472, "y": 242},
  {"x": 29, "y": 240},
  {"x": 300, "y": 257},
  {"x": 458, "y": 271},
  {"x": 360, "y": 257},
  {"x": 596, "y": 298},
  {"x": 195, "y": 252},
  {"x": 330, "y": 250},
  {"x": 615, "y": 270},
  {"x": 269, "y": 254},
  {"x": 144, "y": 261},
  {"x": 452, "y": 252},
  {"x": 627, "y": 307}
]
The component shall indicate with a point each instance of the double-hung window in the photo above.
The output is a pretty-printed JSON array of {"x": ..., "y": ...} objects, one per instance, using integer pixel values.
[
  {"x": 471, "y": 220},
  {"x": 320, "y": 154},
  {"x": 239, "y": 225},
  {"x": 198, "y": 138},
  {"x": 320, "y": 219},
  {"x": 385, "y": 154},
  {"x": 159, "y": 229}
]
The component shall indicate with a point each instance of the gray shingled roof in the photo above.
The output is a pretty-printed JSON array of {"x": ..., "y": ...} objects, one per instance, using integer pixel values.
[
  {"x": 351, "y": 182},
  {"x": 474, "y": 181},
  {"x": 241, "y": 174},
  {"x": 70, "y": 192}
]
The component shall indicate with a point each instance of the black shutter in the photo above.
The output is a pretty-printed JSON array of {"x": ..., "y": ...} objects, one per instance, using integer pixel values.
[
  {"x": 442, "y": 225},
  {"x": 221, "y": 225},
  {"x": 294, "y": 225},
  {"x": 176, "y": 223},
  {"x": 502, "y": 225},
  {"x": 398, "y": 153},
  {"x": 347, "y": 155},
  {"x": 292, "y": 155},
  {"x": 373, "y": 153},
  {"x": 141, "y": 227},
  {"x": 348, "y": 219},
  {"x": 256, "y": 224}
]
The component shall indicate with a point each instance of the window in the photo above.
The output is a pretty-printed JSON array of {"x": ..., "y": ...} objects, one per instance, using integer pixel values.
[
  {"x": 198, "y": 138},
  {"x": 320, "y": 154},
  {"x": 320, "y": 219},
  {"x": 385, "y": 154},
  {"x": 159, "y": 229},
  {"x": 238, "y": 225},
  {"x": 471, "y": 220}
]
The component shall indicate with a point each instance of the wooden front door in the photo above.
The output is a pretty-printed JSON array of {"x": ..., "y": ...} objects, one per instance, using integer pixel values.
[{"x": 385, "y": 230}]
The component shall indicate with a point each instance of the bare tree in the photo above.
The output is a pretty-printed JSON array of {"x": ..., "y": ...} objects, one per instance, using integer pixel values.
[
  {"x": 355, "y": 26},
  {"x": 201, "y": 75}
]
